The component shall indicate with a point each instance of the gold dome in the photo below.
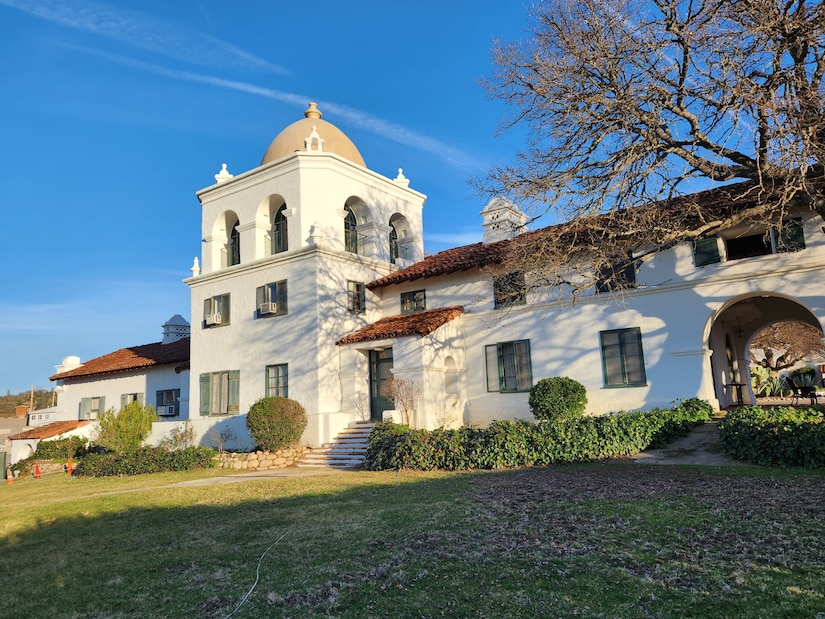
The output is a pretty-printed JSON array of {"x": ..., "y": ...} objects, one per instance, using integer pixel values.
[{"x": 293, "y": 138}]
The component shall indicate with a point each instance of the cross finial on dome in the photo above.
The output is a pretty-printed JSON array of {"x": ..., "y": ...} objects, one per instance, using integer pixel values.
[{"x": 313, "y": 111}]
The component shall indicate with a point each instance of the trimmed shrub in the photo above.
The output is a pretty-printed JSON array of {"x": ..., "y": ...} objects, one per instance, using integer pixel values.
[
  {"x": 781, "y": 436},
  {"x": 146, "y": 460},
  {"x": 61, "y": 449},
  {"x": 507, "y": 444},
  {"x": 558, "y": 397},
  {"x": 124, "y": 432},
  {"x": 275, "y": 423}
]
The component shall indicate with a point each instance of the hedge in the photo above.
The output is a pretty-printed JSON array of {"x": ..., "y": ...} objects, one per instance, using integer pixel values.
[
  {"x": 780, "y": 436},
  {"x": 146, "y": 460},
  {"x": 508, "y": 444}
]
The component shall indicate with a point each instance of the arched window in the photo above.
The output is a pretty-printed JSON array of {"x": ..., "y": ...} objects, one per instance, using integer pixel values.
[
  {"x": 393, "y": 243},
  {"x": 233, "y": 248},
  {"x": 350, "y": 231},
  {"x": 280, "y": 237}
]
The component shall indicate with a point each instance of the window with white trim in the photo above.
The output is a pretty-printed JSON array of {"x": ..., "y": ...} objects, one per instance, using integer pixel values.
[
  {"x": 277, "y": 380},
  {"x": 415, "y": 301},
  {"x": 509, "y": 290},
  {"x": 623, "y": 362},
  {"x": 270, "y": 300},
  {"x": 220, "y": 393},
  {"x": 91, "y": 408},
  {"x": 356, "y": 297},
  {"x": 509, "y": 368},
  {"x": 216, "y": 311},
  {"x": 167, "y": 402},
  {"x": 128, "y": 398}
]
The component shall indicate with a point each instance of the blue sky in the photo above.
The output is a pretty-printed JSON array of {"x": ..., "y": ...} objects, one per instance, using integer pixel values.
[{"x": 114, "y": 114}]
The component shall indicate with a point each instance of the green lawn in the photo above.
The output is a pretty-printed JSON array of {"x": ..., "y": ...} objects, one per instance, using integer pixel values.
[{"x": 606, "y": 540}]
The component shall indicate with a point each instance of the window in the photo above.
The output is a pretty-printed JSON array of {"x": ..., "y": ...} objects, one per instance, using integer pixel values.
[
  {"x": 233, "y": 247},
  {"x": 617, "y": 276},
  {"x": 415, "y": 301},
  {"x": 393, "y": 243},
  {"x": 128, "y": 398},
  {"x": 350, "y": 231},
  {"x": 509, "y": 290},
  {"x": 706, "y": 251},
  {"x": 280, "y": 236},
  {"x": 623, "y": 363},
  {"x": 277, "y": 383},
  {"x": 508, "y": 366},
  {"x": 270, "y": 300},
  {"x": 787, "y": 237},
  {"x": 356, "y": 297},
  {"x": 748, "y": 246},
  {"x": 166, "y": 402},
  {"x": 220, "y": 393},
  {"x": 216, "y": 311},
  {"x": 90, "y": 408}
]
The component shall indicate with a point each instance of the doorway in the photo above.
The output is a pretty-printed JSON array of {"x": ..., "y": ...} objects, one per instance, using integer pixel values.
[{"x": 380, "y": 372}]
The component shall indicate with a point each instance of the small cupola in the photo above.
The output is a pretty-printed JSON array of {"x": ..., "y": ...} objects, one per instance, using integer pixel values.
[
  {"x": 176, "y": 328},
  {"x": 502, "y": 220}
]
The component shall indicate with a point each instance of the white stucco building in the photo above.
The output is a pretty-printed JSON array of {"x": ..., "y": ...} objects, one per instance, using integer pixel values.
[{"x": 313, "y": 284}]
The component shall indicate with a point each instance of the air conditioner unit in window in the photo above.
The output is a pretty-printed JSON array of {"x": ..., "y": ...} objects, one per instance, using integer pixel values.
[
  {"x": 213, "y": 319},
  {"x": 166, "y": 411},
  {"x": 269, "y": 308}
]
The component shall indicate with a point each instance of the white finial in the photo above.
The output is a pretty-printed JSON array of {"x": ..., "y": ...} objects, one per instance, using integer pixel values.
[
  {"x": 401, "y": 179},
  {"x": 223, "y": 175},
  {"x": 314, "y": 139},
  {"x": 196, "y": 268}
]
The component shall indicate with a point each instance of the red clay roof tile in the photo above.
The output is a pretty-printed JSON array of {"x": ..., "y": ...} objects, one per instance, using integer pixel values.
[
  {"x": 49, "y": 430},
  {"x": 125, "y": 359},
  {"x": 419, "y": 323}
]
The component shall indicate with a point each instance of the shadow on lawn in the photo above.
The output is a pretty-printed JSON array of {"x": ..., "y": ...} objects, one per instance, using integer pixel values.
[{"x": 624, "y": 539}]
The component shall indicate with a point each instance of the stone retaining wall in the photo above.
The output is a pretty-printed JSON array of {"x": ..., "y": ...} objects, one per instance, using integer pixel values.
[{"x": 261, "y": 460}]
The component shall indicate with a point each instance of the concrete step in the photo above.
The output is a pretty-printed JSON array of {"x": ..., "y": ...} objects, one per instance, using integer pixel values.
[{"x": 345, "y": 452}]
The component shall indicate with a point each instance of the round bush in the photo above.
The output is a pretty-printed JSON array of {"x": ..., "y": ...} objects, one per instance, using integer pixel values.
[
  {"x": 276, "y": 422},
  {"x": 558, "y": 397}
]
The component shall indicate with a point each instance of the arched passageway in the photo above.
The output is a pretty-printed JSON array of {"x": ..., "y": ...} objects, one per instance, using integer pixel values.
[{"x": 731, "y": 332}]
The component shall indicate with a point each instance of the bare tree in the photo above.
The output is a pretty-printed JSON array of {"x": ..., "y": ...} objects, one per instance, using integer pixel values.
[
  {"x": 784, "y": 344},
  {"x": 405, "y": 393},
  {"x": 627, "y": 103}
]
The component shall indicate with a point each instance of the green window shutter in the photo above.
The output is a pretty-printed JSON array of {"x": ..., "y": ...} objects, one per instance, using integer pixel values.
[
  {"x": 791, "y": 237},
  {"x": 281, "y": 292},
  {"x": 102, "y": 404},
  {"x": 140, "y": 397},
  {"x": 491, "y": 357},
  {"x": 225, "y": 308},
  {"x": 207, "y": 308},
  {"x": 234, "y": 391},
  {"x": 206, "y": 393},
  {"x": 159, "y": 398},
  {"x": 706, "y": 251},
  {"x": 122, "y": 400},
  {"x": 260, "y": 296},
  {"x": 85, "y": 408},
  {"x": 524, "y": 370}
]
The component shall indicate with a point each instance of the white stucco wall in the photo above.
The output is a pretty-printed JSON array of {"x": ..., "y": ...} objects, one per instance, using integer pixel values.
[{"x": 70, "y": 392}]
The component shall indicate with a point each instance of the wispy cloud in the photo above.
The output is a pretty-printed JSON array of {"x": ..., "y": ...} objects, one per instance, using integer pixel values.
[
  {"x": 144, "y": 31},
  {"x": 357, "y": 118},
  {"x": 453, "y": 239}
]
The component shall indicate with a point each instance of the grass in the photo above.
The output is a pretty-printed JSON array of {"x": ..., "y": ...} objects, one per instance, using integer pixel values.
[{"x": 601, "y": 540}]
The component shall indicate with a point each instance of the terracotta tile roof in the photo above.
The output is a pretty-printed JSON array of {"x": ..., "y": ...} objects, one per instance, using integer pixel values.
[
  {"x": 136, "y": 357},
  {"x": 444, "y": 262},
  {"x": 721, "y": 201},
  {"x": 49, "y": 430},
  {"x": 419, "y": 323}
]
